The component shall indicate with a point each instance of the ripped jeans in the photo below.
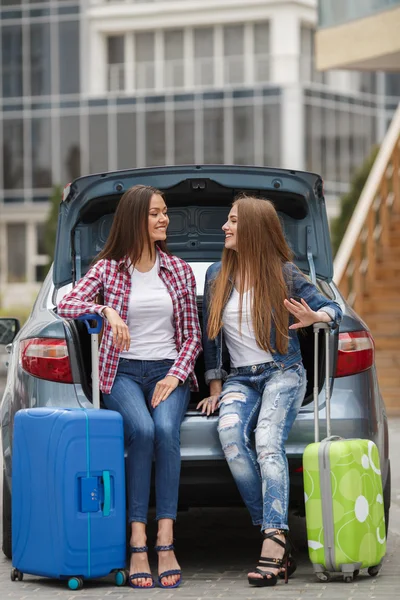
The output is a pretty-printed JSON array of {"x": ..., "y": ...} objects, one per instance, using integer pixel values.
[{"x": 264, "y": 400}]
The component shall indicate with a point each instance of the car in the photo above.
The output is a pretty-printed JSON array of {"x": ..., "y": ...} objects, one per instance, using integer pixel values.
[{"x": 49, "y": 357}]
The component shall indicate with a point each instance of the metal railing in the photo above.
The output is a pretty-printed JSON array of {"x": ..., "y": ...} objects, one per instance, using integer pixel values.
[
  {"x": 369, "y": 230},
  {"x": 209, "y": 72}
]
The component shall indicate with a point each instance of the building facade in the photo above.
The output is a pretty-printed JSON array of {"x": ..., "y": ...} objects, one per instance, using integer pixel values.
[{"x": 95, "y": 85}]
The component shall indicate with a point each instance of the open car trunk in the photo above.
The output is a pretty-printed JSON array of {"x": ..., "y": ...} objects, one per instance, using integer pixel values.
[
  {"x": 198, "y": 200},
  {"x": 81, "y": 348}
]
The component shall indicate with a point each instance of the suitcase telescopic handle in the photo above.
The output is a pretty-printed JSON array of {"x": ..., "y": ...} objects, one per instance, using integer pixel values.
[
  {"x": 317, "y": 327},
  {"x": 94, "y": 338}
]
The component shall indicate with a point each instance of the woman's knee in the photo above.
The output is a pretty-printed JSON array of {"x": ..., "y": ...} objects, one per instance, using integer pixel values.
[
  {"x": 230, "y": 430},
  {"x": 166, "y": 432},
  {"x": 143, "y": 432}
]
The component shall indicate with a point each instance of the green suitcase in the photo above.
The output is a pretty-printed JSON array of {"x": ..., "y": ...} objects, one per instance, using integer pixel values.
[{"x": 343, "y": 497}]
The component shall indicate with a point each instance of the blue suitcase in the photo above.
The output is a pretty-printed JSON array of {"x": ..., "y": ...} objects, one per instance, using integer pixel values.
[{"x": 68, "y": 494}]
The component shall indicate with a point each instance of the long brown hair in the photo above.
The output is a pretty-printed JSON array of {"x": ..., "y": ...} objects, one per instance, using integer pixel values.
[
  {"x": 129, "y": 233},
  {"x": 261, "y": 252}
]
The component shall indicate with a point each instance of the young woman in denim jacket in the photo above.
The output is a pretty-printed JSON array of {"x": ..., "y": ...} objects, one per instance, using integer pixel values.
[{"x": 250, "y": 309}]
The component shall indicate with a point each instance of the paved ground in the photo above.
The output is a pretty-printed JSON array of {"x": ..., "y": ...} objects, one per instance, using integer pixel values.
[{"x": 216, "y": 547}]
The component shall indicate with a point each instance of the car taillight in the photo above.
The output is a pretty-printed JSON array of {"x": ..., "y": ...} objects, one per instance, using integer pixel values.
[
  {"x": 355, "y": 353},
  {"x": 46, "y": 358}
]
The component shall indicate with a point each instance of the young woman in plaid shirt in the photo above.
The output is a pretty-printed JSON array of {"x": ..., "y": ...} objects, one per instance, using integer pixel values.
[{"x": 149, "y": 347}]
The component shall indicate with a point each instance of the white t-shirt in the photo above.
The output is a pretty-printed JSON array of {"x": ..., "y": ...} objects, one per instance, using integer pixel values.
[
  {"x": 150, "y": 317},
  {"x": 242, "y": 346}
]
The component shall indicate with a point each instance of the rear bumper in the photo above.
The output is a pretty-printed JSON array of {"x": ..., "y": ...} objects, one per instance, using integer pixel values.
[{"x": 357, "y": 411}]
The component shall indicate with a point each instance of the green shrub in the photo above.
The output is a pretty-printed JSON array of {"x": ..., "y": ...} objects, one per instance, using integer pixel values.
[
  {"x": 17, "y": 312},
  {"x": 348, "y": 201}
]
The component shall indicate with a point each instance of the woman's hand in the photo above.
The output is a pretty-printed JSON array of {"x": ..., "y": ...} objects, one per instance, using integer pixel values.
[
  {"x": 163, "y": 389},
  {"x": 120, "y": 330},
  {"x": 304, "y": 314},
  {"x": 208, "y": 405}
]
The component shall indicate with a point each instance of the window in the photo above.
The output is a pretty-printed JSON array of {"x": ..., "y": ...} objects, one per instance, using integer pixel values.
[
  {"x": 243, "y": 135},
  {"x": 69, "y": 62},
  {"x": 173, "y": 55},
  {"x": 261, "y": 51},
  {"x": 70, "y": 149},
  {"x": 214, "y": 135},
  {"x": 98, "y": 143},
  {"x": 40, "y": 59},
  {"x": 13, "y": 154},
  {"x": 272, "y": 135},
  {"x": 338, "y": 138},
  {"x": 307, "y": 52},
  {"x": 126, "y": 140},
  {"x": 184, "y": 136},
  {"x": 116, "y": 62},
  {"x": 155, "y": 138},
  {"x": 16, "y": 252},
  {"x": 233, "y": 53},
  {"x": 41, "y": 153},
  {"x": 40, "y": 259},
  {"x": 144, "y": 57},
  {"x": 392, "y": 84},
  {"x": 11, "y": 56},
  {"x": 368, "y": 82},
  {"x": 203, "y": 56}
]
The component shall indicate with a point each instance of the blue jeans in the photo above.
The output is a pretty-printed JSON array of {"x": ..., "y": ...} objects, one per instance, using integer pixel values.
[
  {"x": 149, "y": 432},
  {"x": 264, "y": 400}
]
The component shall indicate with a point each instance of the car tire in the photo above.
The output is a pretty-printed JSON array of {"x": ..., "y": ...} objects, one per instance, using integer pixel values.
[
  {"x": 7, "y": 546},
  {"x": 387, "y": 498}
]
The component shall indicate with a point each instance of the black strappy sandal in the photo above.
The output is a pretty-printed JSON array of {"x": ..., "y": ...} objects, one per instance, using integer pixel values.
[
  {"x": 268, "y": 579},
  {"x": 291, "y": 568},
  {"x": 170, "y": 572},
  {"x": 292, "y": 564},
  {"x": 133, "y": 550}
]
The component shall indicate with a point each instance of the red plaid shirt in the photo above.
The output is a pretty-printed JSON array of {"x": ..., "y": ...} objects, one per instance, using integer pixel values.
[{"x": 112, "y": 277}]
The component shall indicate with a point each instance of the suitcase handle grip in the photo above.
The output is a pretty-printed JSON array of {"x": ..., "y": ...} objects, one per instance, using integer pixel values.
[
  {"x": 94, "y": 334},
  {"x": 92, "y": 317},
  {"x": 317, "y": 327},
  {"x": 107, "y": 493}
]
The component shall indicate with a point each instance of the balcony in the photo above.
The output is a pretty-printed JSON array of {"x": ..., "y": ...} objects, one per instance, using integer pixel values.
[
  {"x": 337, "y": 12},
  {"x": 211, "y": 73},
  {"x": 358, "y": 34}
]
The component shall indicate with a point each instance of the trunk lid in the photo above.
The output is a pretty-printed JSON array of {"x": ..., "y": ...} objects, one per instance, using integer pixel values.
[{"x": 198, "y": 198}]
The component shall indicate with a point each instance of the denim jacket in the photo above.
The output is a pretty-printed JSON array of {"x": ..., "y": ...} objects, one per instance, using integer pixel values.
[{"x": 215, "y": 351}]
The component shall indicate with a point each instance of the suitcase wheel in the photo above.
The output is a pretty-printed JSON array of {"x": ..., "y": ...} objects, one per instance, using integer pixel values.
[
  {"x": 324, "y": 576},
  {"x": 75, "y": 583},
  {"x": 120, "y": 578},
  {"x": 373, "y": 571},
  {"x": 15, "y": 574}
]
